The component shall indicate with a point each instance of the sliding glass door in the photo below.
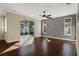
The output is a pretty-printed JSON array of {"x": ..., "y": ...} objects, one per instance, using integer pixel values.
[
  {"x": 31, "y": 28},
  {"x": 26, "y": 28}
]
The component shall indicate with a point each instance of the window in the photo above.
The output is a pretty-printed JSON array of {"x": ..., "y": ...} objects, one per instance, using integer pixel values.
[
  {"x": 68, "y": 26},
  {"x": 26, "y": 27},
  {"x": 5, "y": 24},
  {"x": 44, "y": 27}
]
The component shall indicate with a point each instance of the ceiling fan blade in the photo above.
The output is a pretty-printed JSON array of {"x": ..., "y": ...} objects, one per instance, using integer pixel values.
[
  {"x": 49, "y": 15},
  {"x": 43, "y": 15}
]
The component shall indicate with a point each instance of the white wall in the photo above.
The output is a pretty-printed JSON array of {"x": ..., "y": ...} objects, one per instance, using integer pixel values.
[
  {"x": 38, "y": 28},
  {"x": 13, "y": 27},
  {"x": 1, "y": 28},
  {"x": 12, "y": 33}
]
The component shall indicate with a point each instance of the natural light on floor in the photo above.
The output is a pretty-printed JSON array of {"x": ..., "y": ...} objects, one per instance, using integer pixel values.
[{"x": 13, "y": 47}]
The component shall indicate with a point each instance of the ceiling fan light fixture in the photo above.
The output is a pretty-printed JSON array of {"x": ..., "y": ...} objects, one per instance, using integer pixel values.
[{"x": 44, "y": 18}]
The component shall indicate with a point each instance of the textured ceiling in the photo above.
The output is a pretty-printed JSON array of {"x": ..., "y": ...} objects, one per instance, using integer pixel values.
[{"x": 34, "y": 10}]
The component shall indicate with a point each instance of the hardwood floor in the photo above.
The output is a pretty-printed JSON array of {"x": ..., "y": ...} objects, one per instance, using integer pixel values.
[
  {"x": 41, "y": 47},
  {"x": 4, "y": 45}
]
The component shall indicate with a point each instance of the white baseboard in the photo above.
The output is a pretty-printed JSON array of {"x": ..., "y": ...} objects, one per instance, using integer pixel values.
[
  {"x": 9, "y": 41},
  {"x": 59, "y": 38}
]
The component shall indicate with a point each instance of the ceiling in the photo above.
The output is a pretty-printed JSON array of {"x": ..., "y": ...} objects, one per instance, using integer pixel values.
[{"x": 34, "y": 10}]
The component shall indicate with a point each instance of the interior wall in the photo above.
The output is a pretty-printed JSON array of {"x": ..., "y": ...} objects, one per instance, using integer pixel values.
[
  {"x": 37, "y": 28},
  {"x": 13, "y": 27},
  {"x": 12, "y": 33},
  {"x": 2, "y": 35},
  {"x": 55, "y": 27},
  {"x": 77, "y": 30}
]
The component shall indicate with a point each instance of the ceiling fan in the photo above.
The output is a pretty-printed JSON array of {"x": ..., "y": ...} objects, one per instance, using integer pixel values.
[{"x": 44, "y": 16}]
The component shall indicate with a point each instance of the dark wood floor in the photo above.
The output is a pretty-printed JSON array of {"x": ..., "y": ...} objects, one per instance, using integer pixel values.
[{"x": 41, "y": 47}]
